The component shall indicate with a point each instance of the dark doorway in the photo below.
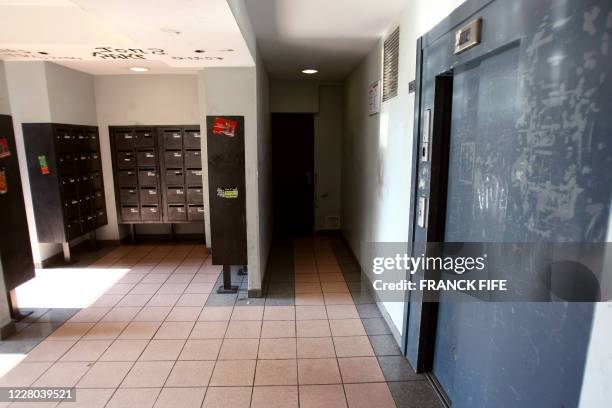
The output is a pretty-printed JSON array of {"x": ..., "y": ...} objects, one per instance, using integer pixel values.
[{"x": 293, "y": 173}]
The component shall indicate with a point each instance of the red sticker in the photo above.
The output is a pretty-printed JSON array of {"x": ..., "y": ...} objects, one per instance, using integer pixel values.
[
  {"x": 226, "y": 127},
  {"x": 4, "y": 148}
]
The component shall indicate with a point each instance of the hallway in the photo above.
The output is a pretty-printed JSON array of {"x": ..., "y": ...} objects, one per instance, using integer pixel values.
[{"x": 159, "y": 338}]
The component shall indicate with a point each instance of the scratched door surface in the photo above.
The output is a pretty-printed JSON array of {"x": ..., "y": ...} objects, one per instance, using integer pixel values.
[{"x": 530, "y": 161}]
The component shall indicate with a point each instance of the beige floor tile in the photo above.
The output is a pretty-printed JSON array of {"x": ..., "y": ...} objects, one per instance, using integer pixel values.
[
  {"x": 174, "y": 330},
  {"x": 134, "y": 300},
  {"x": 180, "y": 397},
  {"x": 360, "y": 370},
  {"x": 200, "y": 287},
  {"x": 274, "y": 329},
  {"x": 89, "y": 398},
  {"x": 62, "y": 374},
  {"x": 309, "y": 277},
  {"x": 233, "y": 373},
  {"x": 238, "y": 329},
  {"x": 216, "y": 313},
  {"x": 86, "y": 350},
  {"x": 121, "y": 314},
  {"x": 190, "y": 374},
  {"x": 161, "y": 299},
  {"x": 342, "y": 312},
  {"x": 120, "y": 288},
  {"x": 89, "y": 315},
  {"x": 107, "y": 300},
  {"x": 279, "y": 313},
  {"x": 201, "y": 349},
  {"x": 205, "y": 278},
  {"x": 155, "y": 278},
  {"x": 105, "y": 375},
  {"x": 353, "y": 346},
  {"x": 239, "y": 349},
  {"x": 318, "y": 371},
  {"x": 133, "y": 398},
  {"x": 315, "y": 347},
  {"x": 192, "y": 299},
  {"x": 338, "y": 299},
  {"x": 70, "y": 331},
  {"x": 369, "y": 395},
  {"x": 49, "y": 350},
  {"x": 172, "y": 288},
  {"x": 159, "y": 350},
  {"x": 331, "y": 277},
  {"x": 310, "y": 313},
  {"x": 178, "y": 277},
  {"x": 347, "y": 327},
  {"x": 148, "y": 374},
  {"x": 139, "y": 330},
  {"x": 309, "y": 299},
  {"x": 23, "y": 374},
  {"x": 334, "y": 287},
  {"x": 313, "y": 328},
  {"x": 247, "y": 313},
  {"x": 324, "y": 269},
  {"x": 153, "y": 314},
  {"x": 275, "y": 397},
  {"x": 209, "y": 330},
  {"x": 184, "y": 314},
  {"x": 322, "y": 396},
  {"x": 124, "y": 350},
  {"x": 228, "y": 397},
  {"x": 277, "y": 349},
  {"x": 276, "y": 372},
  {"x": 105, "y": 331},
  {"x": 307, "y": 287}
]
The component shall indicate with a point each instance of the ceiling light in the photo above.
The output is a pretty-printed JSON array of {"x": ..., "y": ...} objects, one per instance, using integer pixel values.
[
  {"x": 139, "y": 69},
  {"x": 309, "y": 71}
]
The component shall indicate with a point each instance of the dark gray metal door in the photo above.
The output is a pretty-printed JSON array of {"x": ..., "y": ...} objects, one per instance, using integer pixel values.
[{"x": 521, "y": 142}]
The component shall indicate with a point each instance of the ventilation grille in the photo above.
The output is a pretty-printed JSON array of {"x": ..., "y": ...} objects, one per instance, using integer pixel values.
[{"x": 390, "y": 65}]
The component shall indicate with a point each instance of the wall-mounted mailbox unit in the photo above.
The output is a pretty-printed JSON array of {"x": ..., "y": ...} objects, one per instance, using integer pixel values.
[
  {"x": 65, "y": 172},
  {"x": 158, "y": 174}
]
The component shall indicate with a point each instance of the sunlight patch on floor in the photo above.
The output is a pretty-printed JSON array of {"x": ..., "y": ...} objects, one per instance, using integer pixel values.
[{"x": 67, "y": 287}]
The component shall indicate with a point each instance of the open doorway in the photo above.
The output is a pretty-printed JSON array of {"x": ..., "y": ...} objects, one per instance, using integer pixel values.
[{"x": 293, "y": 173}]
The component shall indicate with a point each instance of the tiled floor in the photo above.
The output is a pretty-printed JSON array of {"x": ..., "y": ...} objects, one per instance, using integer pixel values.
[{"x": 161, "y": 337}]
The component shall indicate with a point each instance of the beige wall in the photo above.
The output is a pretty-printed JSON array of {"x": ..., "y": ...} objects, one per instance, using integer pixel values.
[{"x": 141, "y": 100}]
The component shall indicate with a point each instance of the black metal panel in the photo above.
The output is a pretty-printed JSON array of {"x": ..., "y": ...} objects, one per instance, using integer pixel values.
[
  {"x": 226, "y": 172},
  {"x": 73, "y": 174},
  {"x": 158, "y": 166},
  {"x": 15, "y": 248}
]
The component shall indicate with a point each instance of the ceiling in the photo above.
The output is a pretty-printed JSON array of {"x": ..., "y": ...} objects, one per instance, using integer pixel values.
[
  {"x": 109, "y": 36},
  {"x": 329, "y": 35}
]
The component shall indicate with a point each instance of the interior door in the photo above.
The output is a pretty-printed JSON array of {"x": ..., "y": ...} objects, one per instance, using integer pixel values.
[
  {"x": 522, "y": 122},
  {"x": 293, "y": 173}
]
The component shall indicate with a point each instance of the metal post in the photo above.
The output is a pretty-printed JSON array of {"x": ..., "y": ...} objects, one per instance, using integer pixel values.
[{"x": 227, "y": 281}]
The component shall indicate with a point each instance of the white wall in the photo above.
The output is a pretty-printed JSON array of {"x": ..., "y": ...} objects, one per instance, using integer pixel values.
[
  {"x": 377, "y": 149},
  {"x": 45, "y": 92},
  {"x": 5, "y": 106},
  {"x": 325, "y": 101},
  {"x": 140, "y": 100}
]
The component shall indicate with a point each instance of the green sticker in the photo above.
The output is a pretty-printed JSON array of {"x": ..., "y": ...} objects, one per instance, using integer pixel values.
[
  {"x": 227, "y": 192},
  {"x": 42, "y": 162}
]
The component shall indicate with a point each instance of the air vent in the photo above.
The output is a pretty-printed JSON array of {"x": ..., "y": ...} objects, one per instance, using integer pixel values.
[{"x": 390, "y": 65}]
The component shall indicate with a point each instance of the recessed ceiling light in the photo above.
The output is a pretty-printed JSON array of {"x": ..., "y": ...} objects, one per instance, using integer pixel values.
[
  {"x": 309, "y": 71},
  {"x": 139, "y": 69}
]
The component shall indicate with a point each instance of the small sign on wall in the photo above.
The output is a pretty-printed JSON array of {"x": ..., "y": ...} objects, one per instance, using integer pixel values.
[{"x": 374, "y": 98}]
